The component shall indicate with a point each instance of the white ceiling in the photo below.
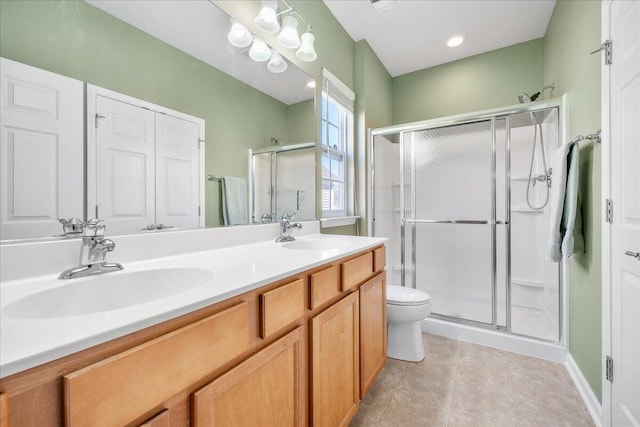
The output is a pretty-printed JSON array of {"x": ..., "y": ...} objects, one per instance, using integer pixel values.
[
  {"x": 199, "y": 28},
  {"x": 413, "y": 36}
]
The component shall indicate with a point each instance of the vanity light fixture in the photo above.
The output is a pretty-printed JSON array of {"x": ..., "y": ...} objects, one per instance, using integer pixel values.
[
  {"x": 239, "y": 36},
  {"x": 277, "y": 63},
  {"x": 289, "y": 37},
  {"x": 259, "y": 51},
  {"x": 267, "y": 19},
  {"x": 307, "y": 52},
  {"x": 455, "y": 41}
]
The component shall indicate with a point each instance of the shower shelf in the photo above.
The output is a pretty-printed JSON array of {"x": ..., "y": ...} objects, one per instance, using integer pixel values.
[
  {"x": 532, "y": 283},
  {"x": 525, "y": 210}
]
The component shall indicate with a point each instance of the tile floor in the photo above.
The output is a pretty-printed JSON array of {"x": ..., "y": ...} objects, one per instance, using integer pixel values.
[{"x": 462, "y": 384}]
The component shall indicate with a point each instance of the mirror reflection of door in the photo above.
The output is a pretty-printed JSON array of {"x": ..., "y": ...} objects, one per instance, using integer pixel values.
[
  {"x": 41, "y": 151},
  {"x": 145, "y": 165}
]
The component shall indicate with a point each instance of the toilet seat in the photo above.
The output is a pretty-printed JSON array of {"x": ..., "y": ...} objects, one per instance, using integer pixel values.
[{"x": 401, "y": 295}]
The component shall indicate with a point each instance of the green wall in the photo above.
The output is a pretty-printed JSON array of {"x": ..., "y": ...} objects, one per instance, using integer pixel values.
[
  {"x": 489, "y": 80},
  {"x": 78, "y": 40},
  {"x": 573, "y": 32},
  {"x": 373, "y": 109}
]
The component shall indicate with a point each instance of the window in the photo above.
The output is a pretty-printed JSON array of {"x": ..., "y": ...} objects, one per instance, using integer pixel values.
[{"x": 337, "y": 145}]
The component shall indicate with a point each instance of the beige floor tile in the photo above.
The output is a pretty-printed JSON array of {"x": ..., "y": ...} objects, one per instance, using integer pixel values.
[
  {"x": 361, "y": 421},
  {"x": 487, "y": 355},
  {"x": 471, "y": 371},
  {"x": 413, "y": 410},
  {"x": 392, "y": 372},
  {"x": 488, "y": 403},
  {"x": 375, "y": 401},
  {"x": 531, "y": 414},
  {"x": 461, "y": 419},
  {"x": 426, "y": 376},
  {"x": 527, "y": 362},
  {"x": 440, "y": 349}
]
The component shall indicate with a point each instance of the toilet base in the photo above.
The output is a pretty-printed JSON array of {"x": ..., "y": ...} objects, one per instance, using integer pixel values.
[{"x": 404, "y": 341}]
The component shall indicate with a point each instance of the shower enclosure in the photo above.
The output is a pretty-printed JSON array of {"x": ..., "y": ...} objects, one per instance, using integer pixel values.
[
  {"x": 451, "y": 194},
  {"x": 281, "y": 180}
]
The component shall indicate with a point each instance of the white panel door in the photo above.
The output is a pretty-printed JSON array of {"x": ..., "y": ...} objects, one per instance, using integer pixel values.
[
  {"x": 125, "y": 166},
  {"x": 625, "y": 229},
  {"x": 177, "y": 172},
  {"x": 41, "y": 151}
]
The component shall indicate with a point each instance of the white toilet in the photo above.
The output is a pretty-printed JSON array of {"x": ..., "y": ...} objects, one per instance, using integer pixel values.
[{"x": 406, "y": 307}]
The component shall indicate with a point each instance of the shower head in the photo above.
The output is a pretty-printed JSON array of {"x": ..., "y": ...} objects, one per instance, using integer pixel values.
[{"x": 524, "y": 98}]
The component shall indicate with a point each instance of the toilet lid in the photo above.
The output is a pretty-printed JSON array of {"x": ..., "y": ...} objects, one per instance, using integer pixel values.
[{"x": 401, "y": 295}]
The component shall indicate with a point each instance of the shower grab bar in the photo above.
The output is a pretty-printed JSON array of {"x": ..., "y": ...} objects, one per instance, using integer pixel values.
[
  {"x": 454, "y": 221},
  {"x": 596, "y": 137}
]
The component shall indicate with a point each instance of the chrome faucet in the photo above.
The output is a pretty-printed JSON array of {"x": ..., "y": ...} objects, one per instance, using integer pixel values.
[
  {"x": 285, "y": 228},
  {"x": 93, "y": 253}
]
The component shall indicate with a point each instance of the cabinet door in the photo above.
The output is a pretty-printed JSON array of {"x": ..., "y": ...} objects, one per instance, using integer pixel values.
[
  {"x": 41, "y": 151},
  {"x": 177, "y": 172},
  {"x": 265, "y": 390},
  {"x": 373, "y": 330},
  {"x": 125, "y": 166},
  {"x": 160, "y": 420},
  {"x": 4, "y": 410},
  {"x": 335, "y": 364}
]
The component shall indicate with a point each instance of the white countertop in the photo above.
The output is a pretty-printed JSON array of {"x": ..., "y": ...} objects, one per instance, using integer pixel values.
[{"x": 25, "y": 343}]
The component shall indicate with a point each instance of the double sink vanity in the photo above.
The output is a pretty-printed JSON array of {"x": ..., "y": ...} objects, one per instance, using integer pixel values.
[{"x": 215, "y": 327}]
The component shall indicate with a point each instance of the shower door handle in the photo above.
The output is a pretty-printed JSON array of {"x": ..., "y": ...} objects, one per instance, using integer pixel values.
[{"x": 636, "y": 255}]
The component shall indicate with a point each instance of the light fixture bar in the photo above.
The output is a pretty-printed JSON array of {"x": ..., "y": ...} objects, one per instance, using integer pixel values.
[{"x": 291, "y": 9}]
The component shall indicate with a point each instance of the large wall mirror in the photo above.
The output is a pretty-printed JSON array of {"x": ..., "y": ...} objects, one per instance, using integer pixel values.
[{"x": 167, "y": 76}]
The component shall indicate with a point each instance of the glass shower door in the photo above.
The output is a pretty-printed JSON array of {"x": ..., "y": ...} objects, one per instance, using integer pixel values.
[{"x": 450, "y": 223}]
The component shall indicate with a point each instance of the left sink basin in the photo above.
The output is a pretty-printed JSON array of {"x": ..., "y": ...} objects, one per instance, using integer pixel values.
[{"x": 111, "y": 291}]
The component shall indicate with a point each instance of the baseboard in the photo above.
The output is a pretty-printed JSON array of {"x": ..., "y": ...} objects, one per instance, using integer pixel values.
[{"x": 588, "y": 396}]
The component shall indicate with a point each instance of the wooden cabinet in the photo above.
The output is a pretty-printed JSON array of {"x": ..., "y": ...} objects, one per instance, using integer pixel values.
[
  {"x": 356, "y": 270},
  {"x": 4, "y": 410},
  {"x": 373, "y": 330},
  {"x": 154, "y": 371},
  {"x": 299, "y": 352},
  {"x": 335, "y": 361},
  {"x": 160, "y": 420},
  {"x": 281, "y": 307},
  {"x": 265, "y": 390}
]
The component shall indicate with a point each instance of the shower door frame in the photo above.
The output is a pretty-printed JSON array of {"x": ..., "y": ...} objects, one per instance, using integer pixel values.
[
  {"x": 273, "y": 169},
  {"x": 482, "y": 116}
]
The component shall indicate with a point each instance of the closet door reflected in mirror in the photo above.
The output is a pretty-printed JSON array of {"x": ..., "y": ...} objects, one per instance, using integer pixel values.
[
  {"x": 143, "y": 164},
  {"x": 41, "y": 151}
]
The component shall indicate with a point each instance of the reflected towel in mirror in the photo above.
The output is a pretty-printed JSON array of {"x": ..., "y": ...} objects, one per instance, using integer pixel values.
[{"x": 234, "y": 200}]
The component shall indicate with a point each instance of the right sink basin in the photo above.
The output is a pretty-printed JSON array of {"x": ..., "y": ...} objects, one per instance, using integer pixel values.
[{"x": 316, "y": 244}]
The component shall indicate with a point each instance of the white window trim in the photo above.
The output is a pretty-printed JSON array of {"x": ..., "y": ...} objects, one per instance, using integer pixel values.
[{"x": 348, "y": 167}]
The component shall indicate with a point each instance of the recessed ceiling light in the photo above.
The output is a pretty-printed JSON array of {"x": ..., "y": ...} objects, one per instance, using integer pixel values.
[
  {"x": 455, "y": 41},
  {"x": 311, "y": 84}
]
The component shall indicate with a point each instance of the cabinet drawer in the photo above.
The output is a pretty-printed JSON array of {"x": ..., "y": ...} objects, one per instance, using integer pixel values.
[
  {"x": 379, "y": 259},
  {"x": 119, "y": 389},
  {"x": 160, "y": 420},
  {"x": 323, "y": 286},
  {"x": 268, "y": 389},
  {"x": 281, "y": 307},
  {"x": 357, "y": 270}
]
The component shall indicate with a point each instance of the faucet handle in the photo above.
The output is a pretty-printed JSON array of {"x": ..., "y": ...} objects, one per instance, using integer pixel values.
[
  {"x": 71, "y": 225},
  {"x": 108, "y": 245},
  {"x": 94, "y": 228},
  {"x": 287, "y": 217}
]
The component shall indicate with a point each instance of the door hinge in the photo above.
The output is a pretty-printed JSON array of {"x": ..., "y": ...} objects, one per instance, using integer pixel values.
[
  {"x": 198, "y": 210},
  {"x": 608, "y": 52},
  {"x": 609, "y": 368},
  {"x": 200, "y": 141},
  {"x": 607, "y": 46},
  {"x": 97, "y": 212},
  {"x": 98, "y": 117},
  {"x": 609, "y": 211}
]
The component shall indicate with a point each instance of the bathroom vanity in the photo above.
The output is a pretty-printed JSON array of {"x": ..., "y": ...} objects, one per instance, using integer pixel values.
[{"x": 292, "y": 343}]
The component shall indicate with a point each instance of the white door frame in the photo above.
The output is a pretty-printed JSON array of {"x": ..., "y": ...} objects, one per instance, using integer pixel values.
[
  {"x": 606, "y": 227},
  {"x": 92, "y": 93}
]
